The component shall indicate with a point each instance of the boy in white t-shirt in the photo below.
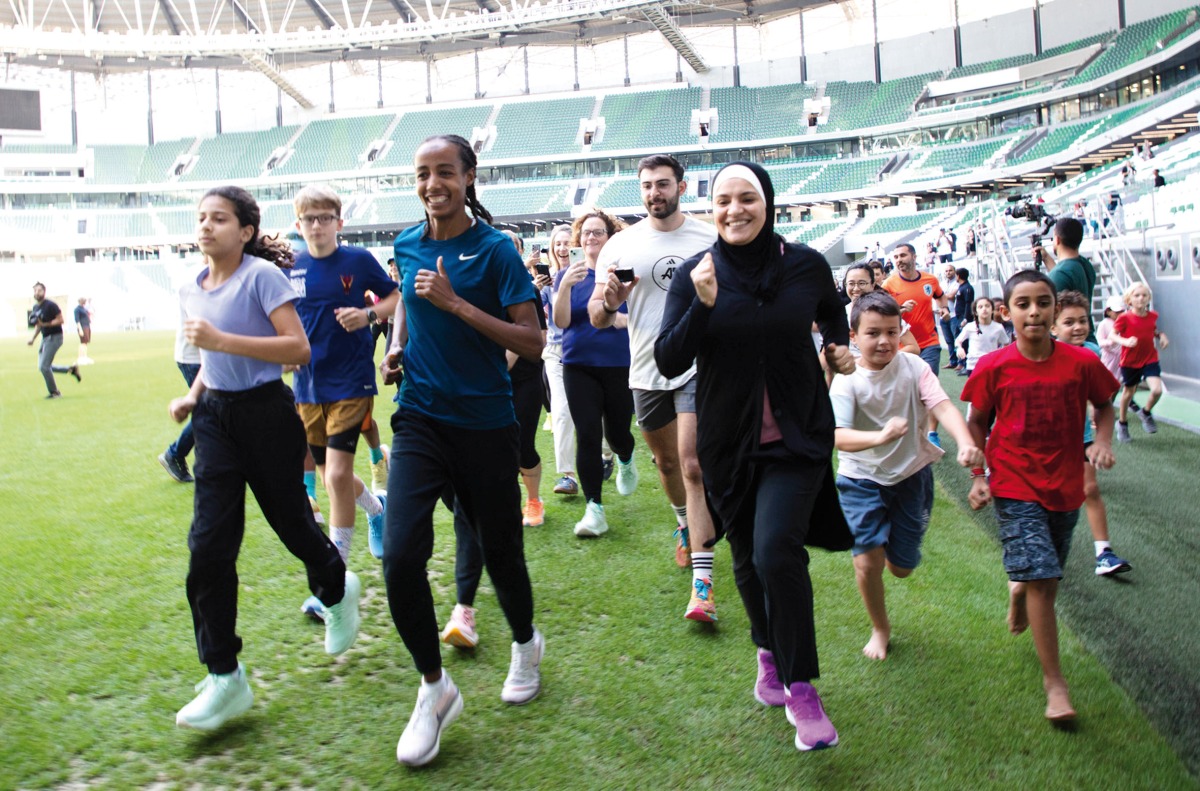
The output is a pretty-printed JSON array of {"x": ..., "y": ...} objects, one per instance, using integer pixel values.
[{"x": 885, "y": 478}]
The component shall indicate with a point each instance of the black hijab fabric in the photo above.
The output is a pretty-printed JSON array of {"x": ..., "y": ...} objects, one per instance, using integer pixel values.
[{"x": 757, "y": 265}]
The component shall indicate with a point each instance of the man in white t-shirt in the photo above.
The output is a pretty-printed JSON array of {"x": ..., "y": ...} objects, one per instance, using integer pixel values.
[{"x": 666, "y": 408}]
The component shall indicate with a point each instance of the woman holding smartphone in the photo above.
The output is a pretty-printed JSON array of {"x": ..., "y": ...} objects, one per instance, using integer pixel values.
[
  {"x": 595, "y": 368},
  {"x": 556, "y": 260}
]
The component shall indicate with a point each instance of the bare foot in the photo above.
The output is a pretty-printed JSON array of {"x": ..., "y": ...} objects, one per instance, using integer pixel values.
[
  {"x": 1018, "y": 617},
  {"x": 1058, "y": 705},
  {"x": 877, "y": 646}
]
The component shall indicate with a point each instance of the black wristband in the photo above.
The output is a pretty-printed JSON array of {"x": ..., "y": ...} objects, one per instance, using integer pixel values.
[{"x": 609, "y": 312}]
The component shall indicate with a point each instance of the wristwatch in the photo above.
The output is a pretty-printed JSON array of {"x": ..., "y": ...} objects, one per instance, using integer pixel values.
[{"x": 371, "y": 316}]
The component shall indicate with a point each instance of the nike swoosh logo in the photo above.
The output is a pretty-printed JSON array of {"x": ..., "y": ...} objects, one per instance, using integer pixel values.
[{"x": 462, "y": 257}]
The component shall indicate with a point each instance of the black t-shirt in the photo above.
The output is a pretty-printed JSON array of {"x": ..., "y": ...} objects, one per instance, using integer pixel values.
[
  {"x": 528, "y": 369},
  {"x": 81, "y": 316},
  {"x": 48, "y": 310}
]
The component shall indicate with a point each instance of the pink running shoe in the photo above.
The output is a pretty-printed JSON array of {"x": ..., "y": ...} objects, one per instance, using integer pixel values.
[
  {"x": 814, "y": 731},
  {"x": 768, "y": 689}
]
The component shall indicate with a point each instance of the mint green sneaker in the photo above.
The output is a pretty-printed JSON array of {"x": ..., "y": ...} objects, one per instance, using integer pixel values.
[
  {"x": 341, "y": 620},
  {"x": 221, "y": 697}
]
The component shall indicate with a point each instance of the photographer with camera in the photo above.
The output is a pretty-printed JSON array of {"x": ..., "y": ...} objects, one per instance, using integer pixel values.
[
  {"x": 46, "y": 318},
  {"x": 1068, "y": 270}
]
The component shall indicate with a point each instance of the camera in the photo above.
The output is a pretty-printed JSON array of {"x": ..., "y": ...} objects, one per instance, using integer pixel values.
[{"x": 1035, "y": 241}]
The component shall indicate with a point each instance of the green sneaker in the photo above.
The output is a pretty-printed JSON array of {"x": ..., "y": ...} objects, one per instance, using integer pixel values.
[
  {"x": 341, "y": 620},
  {"x": 221, "y": 697}
]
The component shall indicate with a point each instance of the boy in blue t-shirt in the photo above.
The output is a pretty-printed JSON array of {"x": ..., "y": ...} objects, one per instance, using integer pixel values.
[{"x": 335, "y": 391}]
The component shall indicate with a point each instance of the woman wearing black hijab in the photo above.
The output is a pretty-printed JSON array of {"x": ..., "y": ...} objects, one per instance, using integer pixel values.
[{"x": 744, "y": 311}]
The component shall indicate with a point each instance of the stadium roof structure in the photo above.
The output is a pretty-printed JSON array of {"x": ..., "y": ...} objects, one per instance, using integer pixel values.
[{"x": 112, "y": 35}]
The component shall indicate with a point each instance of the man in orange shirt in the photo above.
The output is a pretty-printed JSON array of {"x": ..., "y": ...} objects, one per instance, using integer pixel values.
[{"x": 916, "y": 292}]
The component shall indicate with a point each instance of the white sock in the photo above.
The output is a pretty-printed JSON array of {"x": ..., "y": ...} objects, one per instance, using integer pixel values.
[
  {"x": 369, "y": 503},
  {"x": 1101, "y": 546},
  {"x": 435, "y": 686},
  {"x": 341, "y": 537},
  {"x": 680, "y": 514},
  {"x": 702, "y": 566}
]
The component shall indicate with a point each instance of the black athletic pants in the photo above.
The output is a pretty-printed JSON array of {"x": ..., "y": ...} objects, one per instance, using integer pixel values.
[
  {"x": 601, "y": 406},
  {"x": 249, "y": 437},
  {"x": 770, "y": 564},
  {"x": 481, "y": 466}
]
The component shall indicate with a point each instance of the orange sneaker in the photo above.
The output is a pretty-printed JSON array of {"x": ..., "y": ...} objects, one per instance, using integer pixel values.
[
  {"x": 702, "y": 607},
  {"x": 534, "y": 513},
  {"x": 683, "y": 550}
]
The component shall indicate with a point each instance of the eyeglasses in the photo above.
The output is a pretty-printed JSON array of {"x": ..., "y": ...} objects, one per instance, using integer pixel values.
[
  {"x": 318, "y": 219},
  {"x": 598, "y": 232},
  {"x": 857, "y": 283}
]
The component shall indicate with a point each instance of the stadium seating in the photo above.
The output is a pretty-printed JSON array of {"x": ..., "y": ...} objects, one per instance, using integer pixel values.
[
  {"x": 901, "y": 223},
  {"x": 414, "y": 127},
  {"x": 333, "y": 145},
  {"x": 845, "y": 175},
  {"x": 648, "y": 119},
  {"x": 390, "y": 208},
  {"x": 237, "y": 155},
  {"x": 1131, "y": 45},
  {"x": 123, "y": 224},
  {"x": 547, "y": 128},
  {"x": 37, "y": 148},
  {"x": 745, "y": 114},
  {"x": 860, "y": 105},
  {"x": 1021, "y": 60},
  {"x": 116, "y": 164},
  {"x": 944, "y": 160},
  {"x": 520, "y": 200}
]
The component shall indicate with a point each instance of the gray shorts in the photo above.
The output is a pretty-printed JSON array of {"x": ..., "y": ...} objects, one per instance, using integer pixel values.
[
  {"x": 1034, "y": 540},
  {"x": 657, "y": 408}
]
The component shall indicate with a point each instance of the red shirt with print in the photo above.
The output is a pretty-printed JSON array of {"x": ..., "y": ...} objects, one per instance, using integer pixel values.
[
  {"x": 1131, "y": 325},
  {"x": 1035, "y": 451},
  {"x": 923, "y": 291}
]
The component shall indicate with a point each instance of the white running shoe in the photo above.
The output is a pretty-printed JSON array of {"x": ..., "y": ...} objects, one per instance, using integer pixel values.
[
  {"x": 438, "y": 705},
  {"x": 627, "y": 477},
  {"x": 593, "y": 522},
  {"x": 341, "y": 619},
  {"x": 524, "y": 671},
  {"x": 221, "y": 697}
]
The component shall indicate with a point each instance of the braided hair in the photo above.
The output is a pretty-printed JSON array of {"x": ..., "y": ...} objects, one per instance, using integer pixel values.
[
  {"x": 271, "y": 248},
  {"x": 466, "y": 155}
]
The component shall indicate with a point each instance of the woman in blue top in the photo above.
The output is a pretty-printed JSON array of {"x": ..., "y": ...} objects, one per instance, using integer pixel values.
[
  {"x": 595, "y": 369},
  {"x": 465, "y": 298},
  {"x": 240, "y": 313}
]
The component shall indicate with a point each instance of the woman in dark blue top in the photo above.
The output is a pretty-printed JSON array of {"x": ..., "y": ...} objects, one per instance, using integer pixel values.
[
  {"x": 595, "y": 369},
  {"x": 466, "y": 297}
]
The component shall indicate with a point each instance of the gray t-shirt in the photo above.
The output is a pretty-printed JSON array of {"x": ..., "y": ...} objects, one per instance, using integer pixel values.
[{"x": 241, "y": 305}]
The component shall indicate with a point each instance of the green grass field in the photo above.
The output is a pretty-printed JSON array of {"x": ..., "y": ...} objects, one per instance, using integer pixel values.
[{"x": 97, "y": 650}]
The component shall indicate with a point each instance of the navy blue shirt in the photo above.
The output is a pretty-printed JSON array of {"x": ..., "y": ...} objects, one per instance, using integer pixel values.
[
  {"x": 583, "y": 344},
  {"x": 452, "y": 372},
  {"x": 343, "y": 363}
]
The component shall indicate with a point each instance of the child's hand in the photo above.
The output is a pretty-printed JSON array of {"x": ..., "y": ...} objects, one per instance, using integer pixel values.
[
  {"x": 981, "y": 493},
  {"x": 842, "y": 361},
  {"x": 970, "y": 456},
  {"x": 1130, "y": 342},
  {"x": 180, "y": 408},
  {"x": 1163, "y": 340},
  {"x": 1101, "y": 456},
  {"x": 895, "y": 428},
  {"x": 202, "y": 334}
]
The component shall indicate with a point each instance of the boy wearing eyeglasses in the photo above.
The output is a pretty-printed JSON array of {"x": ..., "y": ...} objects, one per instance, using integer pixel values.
[{"x": 335, "y": 391}]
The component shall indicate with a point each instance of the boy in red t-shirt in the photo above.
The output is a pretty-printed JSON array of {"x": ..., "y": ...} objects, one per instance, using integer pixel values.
[
  {"x": 1136, "y": 330},
  {"x": 1039, "y": 389}
]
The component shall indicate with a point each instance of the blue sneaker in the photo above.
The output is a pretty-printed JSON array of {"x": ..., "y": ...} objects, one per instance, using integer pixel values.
[
  {"x": 1108, "y": 563},
  {"x": 375, "y": 528},
  {"x": 313, "y": 608},
  {"x": 933, "y": 437}
]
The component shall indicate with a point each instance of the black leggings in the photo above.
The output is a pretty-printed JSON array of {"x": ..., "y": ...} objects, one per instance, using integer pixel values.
[
  {"x": 601, "y": 406},
  {"x": 527, "y": 403},
  {"x": 481, "y": 467},
  {"x": 770, "y": 563}
]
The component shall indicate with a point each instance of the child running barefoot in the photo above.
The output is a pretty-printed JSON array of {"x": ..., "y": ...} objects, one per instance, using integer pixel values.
[
  {"x": 885, "y": 477},
  {"x": 1136, "y": 330},
  {"x": 1039, "y": 389},
  {"x": 1071, "y": 327},
  {"x": 240, "y": 312},
  {"x": 981, "y": 336}
]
